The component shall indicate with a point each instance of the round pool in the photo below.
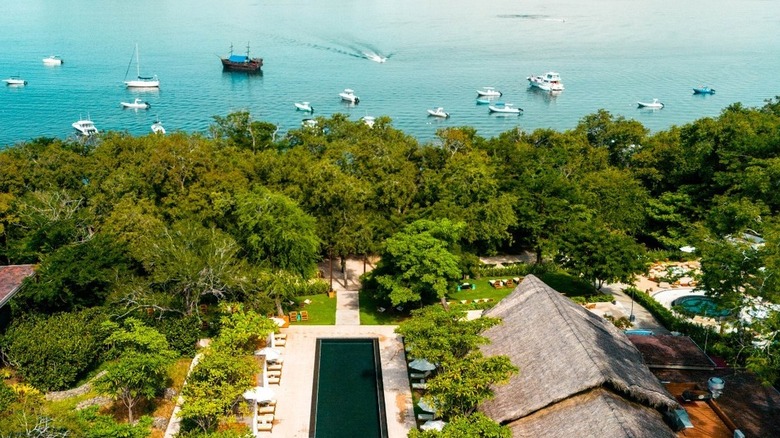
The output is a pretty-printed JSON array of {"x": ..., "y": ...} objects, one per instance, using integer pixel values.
[{"x": 700, "y": 305}]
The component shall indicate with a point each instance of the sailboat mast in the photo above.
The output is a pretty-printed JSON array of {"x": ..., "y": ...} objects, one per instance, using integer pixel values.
[{"x": 137, "y": 61}]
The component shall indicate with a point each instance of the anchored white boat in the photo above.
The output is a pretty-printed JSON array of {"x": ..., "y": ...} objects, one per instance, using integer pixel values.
[
  {"x": 506, "y": 108},
  {"x": 348, "y": 95},
  {"x": 158, "y": 128},
  {"x": 52, "y": 60},
  {"x": 369, "y": 120},
  {"x": 655, "y": 104},
  {"x": 304, "y": 106},
  {"x": 309, "y": 123},
  {"x": 489, "y": 92},
  {"x": 375, "y": 57},
  {"x": 550, "y": 81},
  {"x": 140, "y": 81},
  {"x": 438, "y": 112},
  {"x": 136, "y": 104},
  {"x": 15, "y": 80},
  {"x": 85, "y": 127}
]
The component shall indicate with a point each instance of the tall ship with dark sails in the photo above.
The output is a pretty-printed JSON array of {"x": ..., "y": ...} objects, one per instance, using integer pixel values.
[{"x": 241, "y": 62}]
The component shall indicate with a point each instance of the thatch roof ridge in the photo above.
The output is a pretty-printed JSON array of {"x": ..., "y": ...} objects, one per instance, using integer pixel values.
[{"x": 562, "y": 350}]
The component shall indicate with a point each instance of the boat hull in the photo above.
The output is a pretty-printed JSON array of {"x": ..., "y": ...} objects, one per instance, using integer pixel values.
[
  {"x": 304, "y": 107},
  {"x": 15, "y": 81},
  {"x": 489, "y": 93},
  {"x": 52, "y": 60},
  {"x": 135, "y": 105},
  {"x": 650, "y": 105},
  {"x": 143, "y": 83},
  {"x": 439, "y": 114},
  {"x": 705, "y": 90},
  {"x": 158, "y": 128},
  {"x": 349, "y": 98},
  {"x": 251, "y": 65},
  {"x": 500, "y": 110}
]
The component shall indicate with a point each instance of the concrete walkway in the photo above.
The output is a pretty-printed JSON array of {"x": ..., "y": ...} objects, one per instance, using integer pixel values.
[
  {"x": 346, "y": 285},
  {"x": 624, "y": 302}
]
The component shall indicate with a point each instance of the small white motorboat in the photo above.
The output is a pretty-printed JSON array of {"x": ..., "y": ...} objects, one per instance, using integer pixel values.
[
  {"x": 158, "y": 128},
  {"x": 506, "y": 108},
  {"x": 369, "y": 120},
  {"x": 438, "y": 112},
  {"x": 52, "y": 60},
  {"x": 550, "y": 81},
  {"x": 15, "y": 80},
  {"x": 85, "y": 127},
  {"x": 489, "y": 92},
  {"x": 304, "y": 106},
  {"x": 375, "y": 57},
  {"x": 348, "y": 95},
  {"x": 136, "y": 104},
  {"x": 655, "y": 104},
  {"x": 309, "y": 123}
]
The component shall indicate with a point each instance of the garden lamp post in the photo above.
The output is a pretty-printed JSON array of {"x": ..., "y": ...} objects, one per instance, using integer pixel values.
[{"x": 631, "y": 316}]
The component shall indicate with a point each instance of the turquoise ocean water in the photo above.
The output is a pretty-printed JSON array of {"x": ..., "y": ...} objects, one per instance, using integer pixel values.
[{"x": 610, "y": 54}]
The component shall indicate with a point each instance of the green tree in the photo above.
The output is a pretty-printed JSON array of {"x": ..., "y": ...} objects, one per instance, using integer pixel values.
[
  {"x": 442, "y": 336},
  {"x": 241, "y": 330},
  {"x": 418, "y": 263},
  {"x": 77, "y": 275},
  {"x": 191, "y": 262},
  {"x": 215, "y": 385},
  {"x": 141, "y": 360},
  {"x": 476, "y": 425},
  {"x": 239, "y": 130},
  {"x": 599, "y": 255},
  {"x": 276, "y": 233},
  {"x": 52, "y": 353},
  {"x": 460, "y": 387}
]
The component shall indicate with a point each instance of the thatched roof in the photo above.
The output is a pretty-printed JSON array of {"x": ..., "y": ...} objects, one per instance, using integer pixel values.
[
  {"x": 564, "y": 351},
  {"x": 598, "y": 413}
]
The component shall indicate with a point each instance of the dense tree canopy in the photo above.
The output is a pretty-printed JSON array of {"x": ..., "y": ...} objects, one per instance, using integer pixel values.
[{"x": 165, "y": 223}]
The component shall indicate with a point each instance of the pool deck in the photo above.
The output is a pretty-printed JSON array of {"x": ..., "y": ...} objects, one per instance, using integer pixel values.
[{"x": 294, "y": 392}]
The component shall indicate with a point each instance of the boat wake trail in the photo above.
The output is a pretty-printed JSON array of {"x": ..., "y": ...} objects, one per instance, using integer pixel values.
[
  {"x": 532, "y": 17},
  {"x": 354, "y": 50}
]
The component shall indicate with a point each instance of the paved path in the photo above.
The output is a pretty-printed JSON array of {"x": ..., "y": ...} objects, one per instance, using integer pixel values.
[
  {"x": 346, "y": 285},
  {"x": 624, "y": 302}
]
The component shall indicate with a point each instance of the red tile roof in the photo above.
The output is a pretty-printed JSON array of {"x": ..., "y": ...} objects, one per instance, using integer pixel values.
[{"x": 11, "y": 278}]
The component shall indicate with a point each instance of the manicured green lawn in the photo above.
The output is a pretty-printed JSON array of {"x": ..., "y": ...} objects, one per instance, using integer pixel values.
[{"x": 322, "y": 310}]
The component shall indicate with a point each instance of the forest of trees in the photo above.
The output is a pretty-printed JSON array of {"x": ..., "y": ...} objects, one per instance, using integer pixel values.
[{"x": 158, "y": 225}]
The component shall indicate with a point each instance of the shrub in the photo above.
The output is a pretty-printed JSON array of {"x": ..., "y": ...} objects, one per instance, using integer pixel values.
[
  {"x": 7, "y": 396},
  {"x": 182, "y": 333},
  {"x": 53, "y": 353}
]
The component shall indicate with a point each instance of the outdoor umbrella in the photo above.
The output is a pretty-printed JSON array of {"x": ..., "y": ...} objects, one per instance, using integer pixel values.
[
  {"x": 421, "y": 365},
  {"x": 269, "y": 353},
  {"x": 688, "y": 249},
  {"x": 260, "y": 394},
  {"x": 433, "y": 425},
  {"x": 426, "y": 405}
]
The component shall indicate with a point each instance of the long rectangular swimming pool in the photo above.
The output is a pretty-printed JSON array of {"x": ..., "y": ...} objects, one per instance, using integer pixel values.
[{"x": 348, "y": 396}]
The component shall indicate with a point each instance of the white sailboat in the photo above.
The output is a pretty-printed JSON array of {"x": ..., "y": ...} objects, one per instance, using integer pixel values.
[{"x": 140, "y": 81}]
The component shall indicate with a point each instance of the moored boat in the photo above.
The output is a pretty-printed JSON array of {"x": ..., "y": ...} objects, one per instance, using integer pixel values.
[
  {"x": 309, "y": 123},
  {"x": 140, "y": 81},
  {"x": 369, "y": 120},
  {"x": 550, "y": 81},
  {"x": 703, "y": 90},
  {"x": 488, "y": 92},
  {"x": 158, "y": 128},
  {"x": 655, "y": 104},
  {"x": 438, "y": 112},
  {"x": 52, "y": 60},
  {"x": 243, "y": 63},
  {"x": 136, "y": 104},
  {"x": 348, "y": 95},
  {"x": 15, "y": 80},
  {"x": 85, "y": 127},
  {"x": 304, "y": 106},
  {"x": 506, "y": 108},
  {"x": 484, "y": 101}
]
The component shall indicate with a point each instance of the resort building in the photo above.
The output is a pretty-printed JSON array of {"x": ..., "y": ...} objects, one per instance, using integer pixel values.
[{"x": 579, "y": 374}]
